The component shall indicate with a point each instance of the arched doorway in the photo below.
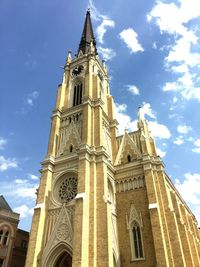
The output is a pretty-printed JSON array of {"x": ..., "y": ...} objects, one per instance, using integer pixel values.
[{"x": 65, "y": 260}]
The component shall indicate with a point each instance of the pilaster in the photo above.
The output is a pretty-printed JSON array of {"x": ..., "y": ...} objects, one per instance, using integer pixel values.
[{"x": 155, "y": 210}]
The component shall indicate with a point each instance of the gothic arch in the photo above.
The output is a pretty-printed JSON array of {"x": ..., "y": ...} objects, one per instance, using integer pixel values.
[
  {"x": 65, "y": 260},
  {"x": 56, "y": 253},
  {"x": 135, "y": 225},
  {"x": 9, "y": 226}
]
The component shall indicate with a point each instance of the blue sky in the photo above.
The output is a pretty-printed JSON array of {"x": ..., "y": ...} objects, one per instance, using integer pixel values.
[{"x": 152, "y": 49}]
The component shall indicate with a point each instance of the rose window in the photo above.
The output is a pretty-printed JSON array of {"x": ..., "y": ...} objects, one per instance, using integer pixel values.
[{"x": 68, "y": 189}]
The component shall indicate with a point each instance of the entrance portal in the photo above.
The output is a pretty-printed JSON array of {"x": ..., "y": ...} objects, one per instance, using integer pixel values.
[{"x": 65, "y": 260}]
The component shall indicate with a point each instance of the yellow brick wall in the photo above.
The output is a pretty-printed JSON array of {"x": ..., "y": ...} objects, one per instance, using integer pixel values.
[{"x": 138, "y": 197}]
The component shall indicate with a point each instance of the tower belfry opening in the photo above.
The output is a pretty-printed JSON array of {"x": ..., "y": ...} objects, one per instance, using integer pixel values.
[{"x": 104, "y": 199}]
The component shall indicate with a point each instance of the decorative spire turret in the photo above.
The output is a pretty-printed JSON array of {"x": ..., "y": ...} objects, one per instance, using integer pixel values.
[
  {"x": 140, "y": 118},
  {"x": 87, "y": 36}
]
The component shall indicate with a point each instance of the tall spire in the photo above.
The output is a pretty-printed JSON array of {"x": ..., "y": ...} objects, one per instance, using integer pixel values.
[{"x": 87, "y": 36}]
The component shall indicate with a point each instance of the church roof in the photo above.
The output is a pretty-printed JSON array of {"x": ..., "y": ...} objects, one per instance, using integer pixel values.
[
  {"x": 3, "y": 204},
  {"x": 87, "y": 35}
]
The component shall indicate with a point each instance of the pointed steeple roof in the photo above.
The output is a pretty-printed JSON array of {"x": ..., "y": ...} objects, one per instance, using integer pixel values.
[{"x": 87, "y": 36}]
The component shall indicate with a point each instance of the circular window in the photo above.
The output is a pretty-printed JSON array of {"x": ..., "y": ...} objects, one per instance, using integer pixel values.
[{"x": 67, "y": 189}]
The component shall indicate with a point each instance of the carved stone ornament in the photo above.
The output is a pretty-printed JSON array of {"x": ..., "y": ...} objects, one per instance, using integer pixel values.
[
  {"x": 63, "y": 232},
  {"x": 133, "y": 216}
]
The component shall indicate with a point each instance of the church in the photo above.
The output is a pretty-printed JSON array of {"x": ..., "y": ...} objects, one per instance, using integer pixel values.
[{"x": 105, "y": 200}]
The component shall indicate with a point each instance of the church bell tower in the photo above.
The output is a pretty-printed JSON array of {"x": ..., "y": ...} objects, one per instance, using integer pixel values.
[
  {"x": 72, "y": 219},
  {"x": 105, "y": 200}
]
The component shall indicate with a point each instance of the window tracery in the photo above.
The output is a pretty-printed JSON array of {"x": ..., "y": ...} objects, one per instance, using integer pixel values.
[
  {"x": 4, "y": 236},
  {"x": 68, "y": 189},
  {"x": 137, "y": 240}
]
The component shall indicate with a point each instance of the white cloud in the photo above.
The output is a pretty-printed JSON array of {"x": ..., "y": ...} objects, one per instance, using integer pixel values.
[
  {"x": 106, "y": 22},
  {"x": 185, "y": 86},
  {"x": 160, "y": 152},
  {"x": 95, "y": 14},
  {"x": 29, "y": 101},
  {"x": 24, "y": 211},
  {"x": 19, "y": 189},
  {"x": 3, "y": 142},
  {"x": 154, "y": 46},
  {"x": 196, "y": 148},
  {"x": 20, "y": 181},
  {"x": 8, "y": 163},
  {"x": 182, "y": 58},
  {"x": 170, "y": 86},
  {"x": 129, "y": 36},
  {"x": 189, "y": 189},
  {"x": 32, "y": 176},
  {"x": 183, "y": 68},
  {"x": 26, "y": 191},
  {"x": 120, "y": 107},
  {"x": 123, "y": 119},
  {"x": 179, "y": 141},
  {"x": 174, "y": 100},
  {"x": 107, "y": 53},
  {"x": 197, "y": 142},
  {"x": 181, "y": 53},
  {"x": 31, "y": 97},
  {"x": 181, "y": 14},
  {"x": 133, "y": 89},
  {"x": 159, "y": 130},
  {"x": 147, "y": 110},
  {"x": 190, "y": 139},
  {"x": 102, "y": 28},
  {"x": 184, "y": 129}
]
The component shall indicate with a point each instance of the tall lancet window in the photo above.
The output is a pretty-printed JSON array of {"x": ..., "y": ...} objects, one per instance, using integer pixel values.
[
  {"x": 134, "y": 223},
  {"x": 78, "y": 91},
  {"x": 137, "y": 240}
]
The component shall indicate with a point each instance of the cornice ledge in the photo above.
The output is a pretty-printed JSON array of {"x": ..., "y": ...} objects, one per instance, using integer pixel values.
[
  {"x": 48, "y": 162},
  {"x": 56, "y": 113},
  {"x": 93, "y": 103},
  {"x": 114, "y": 123},
  {"x": 152, "y": 162}
]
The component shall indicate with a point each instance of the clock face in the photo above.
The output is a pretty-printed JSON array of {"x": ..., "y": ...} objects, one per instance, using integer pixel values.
[{"x": 76, "y": 71}]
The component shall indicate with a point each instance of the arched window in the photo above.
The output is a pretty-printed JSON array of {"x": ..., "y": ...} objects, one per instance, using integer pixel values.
[
  {"x": 137, "y": 241},
  {"x": 129, "y": 158},
  {"x": 65, "y": 260},
  {"x": 1, "y": 262},
  {"x": 78, "y": 91},
  {"x": 70, "y": 148},
  {"x": 5, "y": 240},
  {"x": 135, "y": 226}
]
